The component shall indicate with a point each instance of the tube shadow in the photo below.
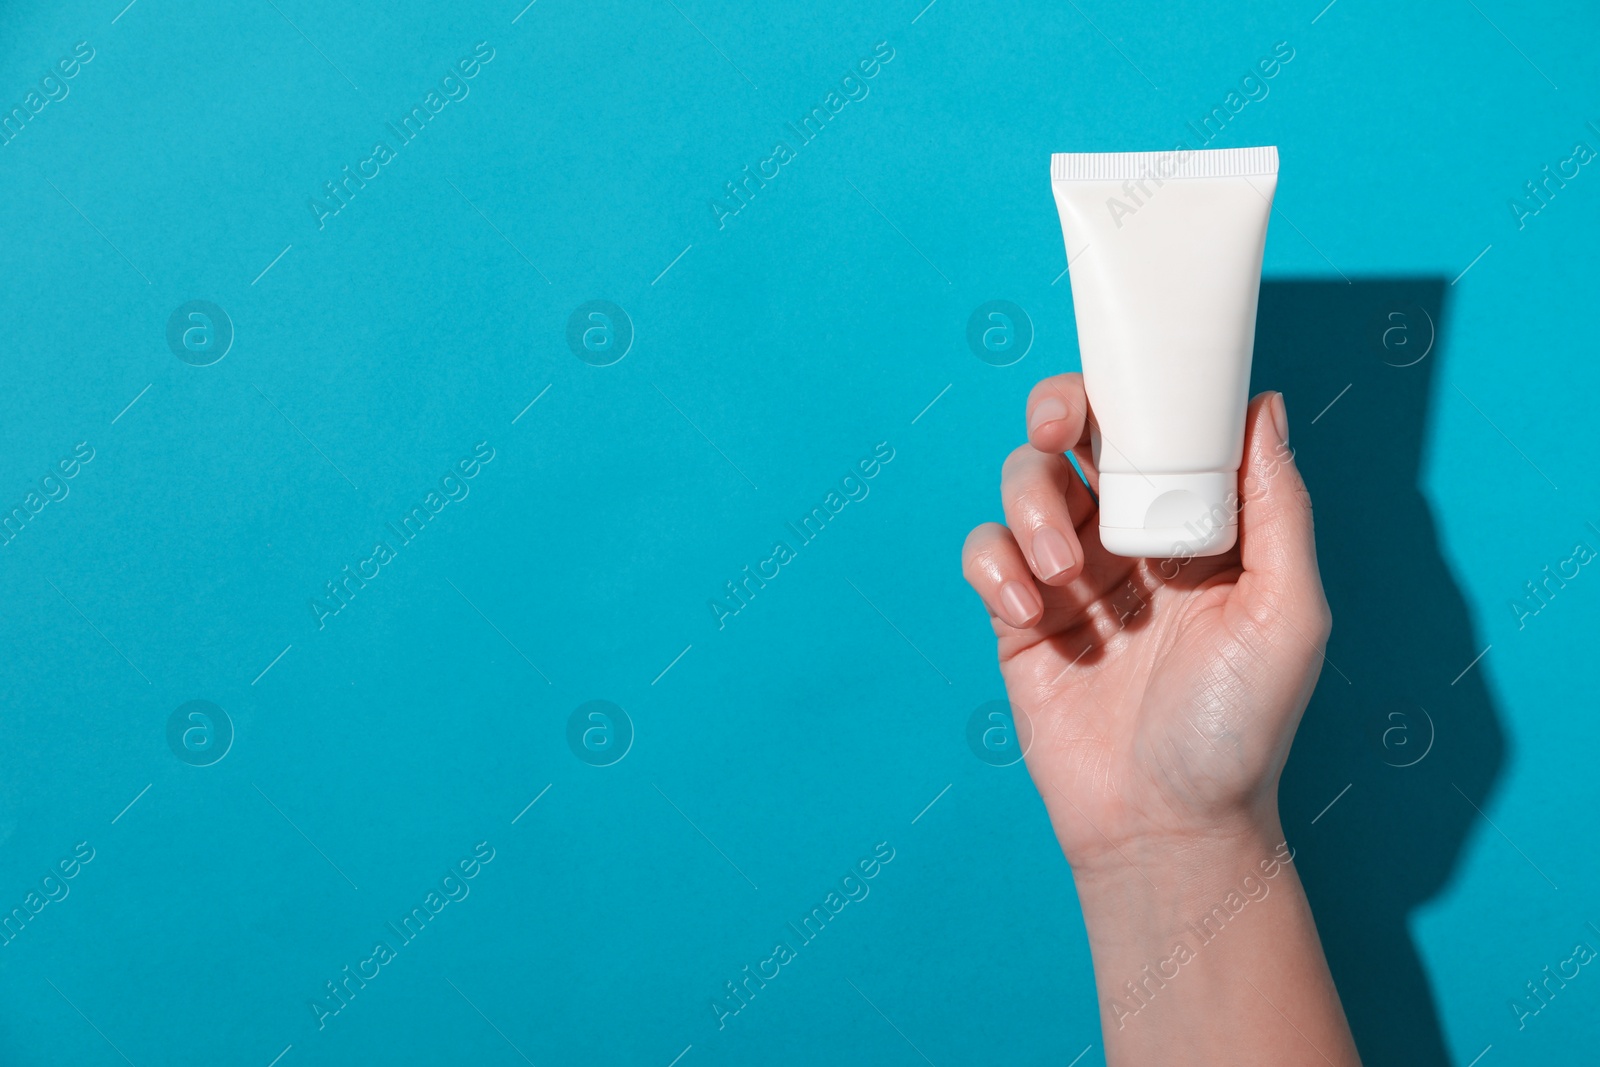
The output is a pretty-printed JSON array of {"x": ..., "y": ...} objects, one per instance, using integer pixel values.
[{"x": 1398, "y": 737}]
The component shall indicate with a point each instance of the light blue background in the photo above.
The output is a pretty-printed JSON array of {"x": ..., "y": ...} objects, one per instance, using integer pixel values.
[{"x": 823, "y": 319}]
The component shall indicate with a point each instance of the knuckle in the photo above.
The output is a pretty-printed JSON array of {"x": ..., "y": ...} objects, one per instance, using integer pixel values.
[
  {"x": 971, "y": 566},
  {"x": 1016, "y": 462},
  {"x": 979, "y": 553},
  {"x": 1302, "y": 497},
  {"x": 1032, "y": 503}
]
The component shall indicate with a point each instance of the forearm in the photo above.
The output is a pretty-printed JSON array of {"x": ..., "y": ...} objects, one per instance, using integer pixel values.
[{"x": 1205, "y": 952}]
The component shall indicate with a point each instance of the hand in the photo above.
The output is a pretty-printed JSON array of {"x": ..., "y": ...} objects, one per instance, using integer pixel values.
[
  {"x": 1162, "y": 697},
  {"x": 1162, "y": 694}
]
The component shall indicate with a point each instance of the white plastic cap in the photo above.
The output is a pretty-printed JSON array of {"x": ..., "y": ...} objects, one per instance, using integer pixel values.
[{"x": 1158, "y": 516}]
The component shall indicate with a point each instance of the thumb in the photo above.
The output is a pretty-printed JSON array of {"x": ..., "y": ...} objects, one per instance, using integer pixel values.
[{"x": 1277, "y": 545}]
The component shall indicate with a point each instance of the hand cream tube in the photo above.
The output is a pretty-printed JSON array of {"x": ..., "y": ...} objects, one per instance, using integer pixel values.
[{"x": 1165, "y": 257}]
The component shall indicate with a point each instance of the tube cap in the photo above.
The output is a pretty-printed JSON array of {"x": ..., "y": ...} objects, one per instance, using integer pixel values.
[{"x": 1162, "y": 515}]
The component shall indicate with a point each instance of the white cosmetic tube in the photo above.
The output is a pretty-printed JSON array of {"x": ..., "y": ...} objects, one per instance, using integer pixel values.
[{"x": 1165, "y": 256}]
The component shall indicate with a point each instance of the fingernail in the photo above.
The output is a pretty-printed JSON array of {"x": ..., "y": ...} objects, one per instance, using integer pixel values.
[
  {"x": 1047, "y": 410},
  {"x": 1019, "y": 603},
  {"x": 1051, "y": 552},
  {"x": 1280, "y": 417}
]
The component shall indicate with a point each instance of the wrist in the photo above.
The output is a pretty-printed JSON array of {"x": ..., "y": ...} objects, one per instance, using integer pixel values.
[
  {"x": 1189, "y": 932},
  {"x": 1181, "y": 870}
]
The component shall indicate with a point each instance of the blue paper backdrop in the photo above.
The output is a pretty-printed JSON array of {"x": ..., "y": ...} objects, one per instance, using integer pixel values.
[{"x": 381, "y": 340}]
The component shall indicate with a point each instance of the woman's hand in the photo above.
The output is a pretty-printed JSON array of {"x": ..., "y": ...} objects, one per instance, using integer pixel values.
[
  {"x": 1158, "y": 700},
  {"x": 1162, "y": 695}
]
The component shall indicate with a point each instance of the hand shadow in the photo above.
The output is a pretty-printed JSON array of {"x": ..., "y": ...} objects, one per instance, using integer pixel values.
[{"x": 1401, "y": 737}]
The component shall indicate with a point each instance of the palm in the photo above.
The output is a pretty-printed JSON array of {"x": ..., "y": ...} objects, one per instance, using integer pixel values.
[{"x": 1124, "y": 682}]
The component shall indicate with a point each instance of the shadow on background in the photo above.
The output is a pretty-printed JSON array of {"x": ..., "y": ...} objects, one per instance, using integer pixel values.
[{"x": 1393, "y": 717}]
